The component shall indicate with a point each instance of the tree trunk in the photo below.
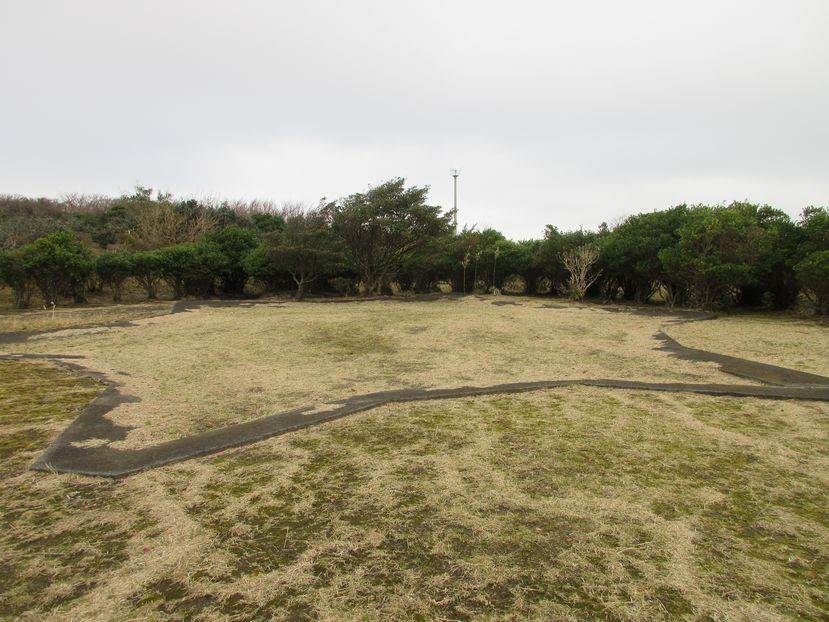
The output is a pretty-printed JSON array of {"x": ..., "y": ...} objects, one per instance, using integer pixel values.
[
  {"x": 22, "y": 295},
  {"x": 302, "y": 282},
  {"x": 78, "y": 293},
  {"x": 149, "y": 285},
  {"x": 373, "y": 285},
  {"x": 300, "y": 289}
]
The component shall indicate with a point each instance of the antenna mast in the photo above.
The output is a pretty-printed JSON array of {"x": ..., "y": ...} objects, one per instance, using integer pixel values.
[{"x": 455, "y": 172}]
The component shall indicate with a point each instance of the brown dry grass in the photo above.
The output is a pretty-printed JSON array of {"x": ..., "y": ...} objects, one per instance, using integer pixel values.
[
  {"x": 798, "y": 343},
  {"x": 36, "y": 320},
  {"x": 573, "y": 504},
  {"x": 214, "y": 366}
]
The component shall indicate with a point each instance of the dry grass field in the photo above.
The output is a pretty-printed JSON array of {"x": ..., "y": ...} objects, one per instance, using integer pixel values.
[
  {"x": 567, "y": 504},
  {"x": 213, "y": 366},
  {"x": 797, "y": 343}
]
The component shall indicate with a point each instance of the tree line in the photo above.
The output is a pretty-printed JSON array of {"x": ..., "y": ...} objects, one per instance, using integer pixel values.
[{"x": 388, "y": 237}]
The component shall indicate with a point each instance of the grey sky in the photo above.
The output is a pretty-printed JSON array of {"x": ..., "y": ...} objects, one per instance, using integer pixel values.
[{"x": 570, "y": 113}]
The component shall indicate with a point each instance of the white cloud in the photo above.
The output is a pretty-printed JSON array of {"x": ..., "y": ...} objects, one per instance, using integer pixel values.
[{"x": 571, "y": 113}]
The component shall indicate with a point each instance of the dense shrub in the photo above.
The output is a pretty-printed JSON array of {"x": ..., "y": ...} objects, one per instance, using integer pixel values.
[
  {"x": 114, "y": 269},
  {"x": 148, "y": 269},
  {"x": 234, "y": 243},
  {"x": 707, "y": 256},
  {"x": 813, "y": 275},
  {"x": 59, "y": 266},
  {"x": 15, "y": 274},
  {"x": 192, "y": 269}
]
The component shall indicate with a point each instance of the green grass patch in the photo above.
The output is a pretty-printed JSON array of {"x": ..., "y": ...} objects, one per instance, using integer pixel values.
[{"x": 57, "y": 535}]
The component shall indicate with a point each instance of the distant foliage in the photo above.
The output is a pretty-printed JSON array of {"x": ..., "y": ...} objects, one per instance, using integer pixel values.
[
  {"x": 160, "y": 223},
  {"x": 741, "y": 254}
]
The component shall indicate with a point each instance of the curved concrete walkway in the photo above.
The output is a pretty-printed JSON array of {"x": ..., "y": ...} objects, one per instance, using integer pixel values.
[{"x": 102, "y": 460}]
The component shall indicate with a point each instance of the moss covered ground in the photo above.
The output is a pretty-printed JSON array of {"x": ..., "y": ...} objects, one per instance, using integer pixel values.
[{"x": 572, "y": 504}]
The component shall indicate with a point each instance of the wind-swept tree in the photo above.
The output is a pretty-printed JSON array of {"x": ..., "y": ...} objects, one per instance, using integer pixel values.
[
  {"x": 193, "y": 268},
  {"x": 630, "y": 253},
  {"x": 715, "y": 254},
  {"x": 774, "y": 277},
  {"x": 814, "y": 222},
  {"x": 520, "y": 258},
  {"x": 234, "y": 243},
  {"x": 813, "y": 269},
  {"x": 383, "y": 226}
]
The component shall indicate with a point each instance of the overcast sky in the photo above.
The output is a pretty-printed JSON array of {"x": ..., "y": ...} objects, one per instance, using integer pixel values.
[{"x": 570, "y": 113}]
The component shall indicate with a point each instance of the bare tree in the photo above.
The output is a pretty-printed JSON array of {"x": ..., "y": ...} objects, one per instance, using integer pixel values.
[
  {"x": 465, "y": 263},
  {"x": 579, "y": 262},
  {"x": 159, "y": 224},
  {"x": 495, "y": 256},
  {"x": 90, "y": 203},
  {"x": 241, "y": 207}
]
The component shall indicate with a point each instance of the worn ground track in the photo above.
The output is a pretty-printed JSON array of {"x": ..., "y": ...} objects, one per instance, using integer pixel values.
[{"x": 64, "y": 455}]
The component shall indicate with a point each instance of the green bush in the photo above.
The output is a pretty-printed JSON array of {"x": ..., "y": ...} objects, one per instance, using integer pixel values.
[
  {"x": 813, "y": 275},
  {"x": 114, "y": 269},
  {"x": 14, "y": 274},
  {"x": 59, "y": 265}
]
